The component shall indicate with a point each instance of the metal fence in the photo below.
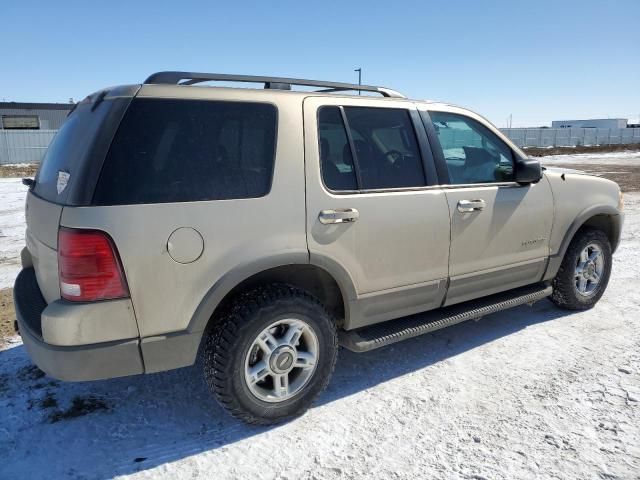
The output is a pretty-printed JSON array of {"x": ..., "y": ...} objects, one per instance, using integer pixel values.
[
  {"x": 571, "y": 137},
  {"x": 29, "y": 146},
  {"x": 24, "y": 146}
]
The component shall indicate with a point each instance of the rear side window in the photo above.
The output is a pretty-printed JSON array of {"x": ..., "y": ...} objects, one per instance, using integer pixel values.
[
  {"x": 336, "y": 161},
  {"x": 387, "y": 152},
  {"x": 189, "y": 150},
  {"x": 383, "y": 149}
]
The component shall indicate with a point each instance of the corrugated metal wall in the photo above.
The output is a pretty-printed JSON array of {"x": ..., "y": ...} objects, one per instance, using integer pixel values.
[{"x": 24, "y": 146}]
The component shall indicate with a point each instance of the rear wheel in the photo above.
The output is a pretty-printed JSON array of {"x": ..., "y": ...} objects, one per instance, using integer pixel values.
[
  {"x": 271, "y": 355},
  {"x": 584, "y": 273}
]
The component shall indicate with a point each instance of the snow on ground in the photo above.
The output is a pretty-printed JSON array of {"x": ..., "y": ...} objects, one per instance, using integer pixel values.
[
  {"x": 613, "y": 158},
  {"x": 532, "y": 392},
  {"x": 12, "y": 196}
]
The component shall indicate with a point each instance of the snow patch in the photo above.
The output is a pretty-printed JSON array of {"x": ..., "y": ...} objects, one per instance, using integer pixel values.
[
  {"x": 532, "y": 392},
  {"x": 613, "y": 158},
  {"x": 12, "y": 228}
]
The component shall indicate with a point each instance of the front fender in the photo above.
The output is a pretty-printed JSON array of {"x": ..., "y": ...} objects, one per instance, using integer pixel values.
[
  {"x": 614, "y": 215},
  {"x": 615, "y": 219}
]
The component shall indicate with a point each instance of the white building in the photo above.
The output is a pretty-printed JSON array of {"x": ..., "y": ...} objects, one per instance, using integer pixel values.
[{"x": 593, "y": 123}]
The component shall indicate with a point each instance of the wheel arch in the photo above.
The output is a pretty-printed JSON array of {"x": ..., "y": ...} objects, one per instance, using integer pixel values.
[
  {"x": 330, "y": 283},
  {"x": 603, "y": 217}
]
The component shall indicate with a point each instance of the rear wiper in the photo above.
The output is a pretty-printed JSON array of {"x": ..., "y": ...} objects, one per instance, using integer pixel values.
[{"x": 99, "y": 99}]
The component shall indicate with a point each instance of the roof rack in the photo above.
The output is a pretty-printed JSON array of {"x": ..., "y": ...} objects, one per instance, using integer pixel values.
[{"x": 280, "y": 83}]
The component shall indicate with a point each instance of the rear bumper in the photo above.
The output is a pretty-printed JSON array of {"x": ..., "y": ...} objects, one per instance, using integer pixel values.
[{"x": 71, "y": 363}]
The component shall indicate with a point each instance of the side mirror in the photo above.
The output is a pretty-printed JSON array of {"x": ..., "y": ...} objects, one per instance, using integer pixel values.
[{"x": 527, "y": 171}]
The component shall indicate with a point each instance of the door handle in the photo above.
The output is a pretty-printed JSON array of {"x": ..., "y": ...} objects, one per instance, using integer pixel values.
[
  {"x": 465, "y": 206},
  {"x": 339, "y": 215}
]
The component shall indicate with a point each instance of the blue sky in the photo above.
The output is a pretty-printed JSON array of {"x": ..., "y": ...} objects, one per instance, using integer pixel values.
[{"x": 537, "y": 60}]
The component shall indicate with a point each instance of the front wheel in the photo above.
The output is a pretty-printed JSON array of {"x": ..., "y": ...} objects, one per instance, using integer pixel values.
[
  {"x": 271, "y": 355},
  {"x": 585, "y": 270}
]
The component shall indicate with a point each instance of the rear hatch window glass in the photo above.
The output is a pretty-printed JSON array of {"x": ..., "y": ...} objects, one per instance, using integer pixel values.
[
  {"x": 68, "y": 151},
  {"x": 168, "y": 150}
]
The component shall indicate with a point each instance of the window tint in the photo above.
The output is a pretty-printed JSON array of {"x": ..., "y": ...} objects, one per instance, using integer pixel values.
[
  {"x": 70, "y": 150},
  {"x": 189, "y": 150},
  {"x": 387, "y": 154},
  {"x": 386, "y": 150},
  {"x": 336, "y": 161},
  {"x": 473, "y": 153}
]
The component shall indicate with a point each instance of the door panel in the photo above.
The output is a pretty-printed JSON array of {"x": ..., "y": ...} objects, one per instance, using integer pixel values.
[
  {"x": 513, "y": 227},
  {"x": 475, "y": 285},
  {"x": 505, "y": 245},
  {"x": 400, "y": 239},
  {"x": 499, "y": 229}
]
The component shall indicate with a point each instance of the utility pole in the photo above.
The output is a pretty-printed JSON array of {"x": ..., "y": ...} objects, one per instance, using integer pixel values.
[{"x": 359, "y": 70}]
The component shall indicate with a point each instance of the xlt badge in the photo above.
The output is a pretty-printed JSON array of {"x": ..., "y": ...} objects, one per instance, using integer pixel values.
[{"x": 533, "y": 242}]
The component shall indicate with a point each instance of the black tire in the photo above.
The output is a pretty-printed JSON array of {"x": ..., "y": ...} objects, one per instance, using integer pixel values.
[
  {"x": 228, "y": 345},
  {"x": 565, "y": 293}
]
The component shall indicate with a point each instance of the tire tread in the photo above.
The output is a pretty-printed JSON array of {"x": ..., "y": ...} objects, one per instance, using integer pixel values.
[
  {"x": 564, "y": 292},
  {"x": 218, "y": 358}
]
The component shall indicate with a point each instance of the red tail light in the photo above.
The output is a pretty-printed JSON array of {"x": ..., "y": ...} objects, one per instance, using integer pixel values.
[{"x": 88, "y": 266}]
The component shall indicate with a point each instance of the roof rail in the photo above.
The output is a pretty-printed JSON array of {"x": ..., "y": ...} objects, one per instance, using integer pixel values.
[{"x": 191, "y": 78}]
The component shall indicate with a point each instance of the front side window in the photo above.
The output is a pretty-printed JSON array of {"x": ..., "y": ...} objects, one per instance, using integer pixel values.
[
  {"x": 472, "y": 152},
  {"x": 382, "y": 148},
  {"x": 189, "y": 150}
]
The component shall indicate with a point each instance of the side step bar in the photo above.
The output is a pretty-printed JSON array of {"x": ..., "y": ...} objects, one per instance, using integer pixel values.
[{"x": 386, "y": 333}]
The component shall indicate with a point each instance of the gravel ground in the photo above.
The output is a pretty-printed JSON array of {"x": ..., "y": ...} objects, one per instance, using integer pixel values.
[
  {"x": 533, "y": 392},
  {"x": 7, "y": 315},
  {"x": 18, "y": 170}
]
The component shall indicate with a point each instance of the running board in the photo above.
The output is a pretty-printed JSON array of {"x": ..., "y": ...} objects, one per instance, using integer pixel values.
[{"x": 392, "y": 331}]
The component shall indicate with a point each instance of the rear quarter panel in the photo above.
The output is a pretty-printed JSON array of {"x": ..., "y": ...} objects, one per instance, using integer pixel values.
[{"x": 165, "y": 294}]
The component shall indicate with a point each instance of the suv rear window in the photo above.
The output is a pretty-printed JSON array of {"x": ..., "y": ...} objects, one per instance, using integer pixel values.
[
  {"x": 72, "y": 150},
  {"x": 189, "y": 150}
]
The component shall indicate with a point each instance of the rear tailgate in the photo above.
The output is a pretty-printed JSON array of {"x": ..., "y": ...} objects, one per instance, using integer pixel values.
[{"x": 42, "y": 238}]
